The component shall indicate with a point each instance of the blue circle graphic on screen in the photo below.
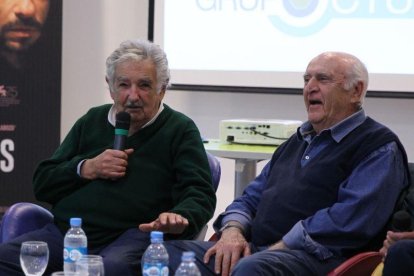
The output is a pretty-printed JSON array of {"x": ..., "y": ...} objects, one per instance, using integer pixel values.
[
  {"x": 300, "y": 8},
  {"x": 302, "y": 17}
]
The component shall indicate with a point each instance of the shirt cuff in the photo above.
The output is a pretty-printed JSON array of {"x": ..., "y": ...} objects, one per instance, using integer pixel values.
[
  {"x": 223, "y": 219},
  {"x": 298, "y": 238},
  {"x": 78, "y": 168}
]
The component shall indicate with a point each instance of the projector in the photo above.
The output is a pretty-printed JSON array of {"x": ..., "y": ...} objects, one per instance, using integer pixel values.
[{"x": 260, "y": 132}]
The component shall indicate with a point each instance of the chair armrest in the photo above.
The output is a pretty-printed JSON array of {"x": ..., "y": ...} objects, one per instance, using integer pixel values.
[
  {"x": 214, "y": 237},
  {"x": 362, "y": 264},
  {"x": 21, "y": 218},
  {"x": 215, "y": 168}
]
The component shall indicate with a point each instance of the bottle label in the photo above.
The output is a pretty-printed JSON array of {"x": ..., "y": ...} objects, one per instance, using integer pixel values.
[
  {"x": 155, "y": 270},
  {"x": 71, "y": 255}
]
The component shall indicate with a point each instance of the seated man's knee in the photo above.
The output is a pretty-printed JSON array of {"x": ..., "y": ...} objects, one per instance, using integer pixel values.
[
  {"x": 269, "y": 262},
  {"x": 247, "y": 266},
  {"x": 175, "y": 249},
  {"x": 401, "y": 248},
  {"x": 120, "y": 266},
  {"x": 399, "y": 259}
]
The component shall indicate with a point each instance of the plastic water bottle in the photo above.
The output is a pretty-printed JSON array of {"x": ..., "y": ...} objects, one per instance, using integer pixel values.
[
  {"x": 155, "y": 258},
  {"x": 75, "y": 245},
  {"x": 188, "y": 266}
]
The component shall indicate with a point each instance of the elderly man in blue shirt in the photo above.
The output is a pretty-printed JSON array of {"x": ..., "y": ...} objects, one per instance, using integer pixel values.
[{"x": 326, "y": 194}]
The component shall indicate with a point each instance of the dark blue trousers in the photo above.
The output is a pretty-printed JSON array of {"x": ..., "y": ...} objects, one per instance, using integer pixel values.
[
  {"x": 400, "y": 259},
  {"x": 121, "y": 257},
  {"x": 261, "y": 262}
]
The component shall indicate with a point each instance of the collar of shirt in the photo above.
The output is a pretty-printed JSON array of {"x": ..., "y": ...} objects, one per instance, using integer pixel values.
[
  {"x": 112, "y": 114},
  {"x": 338, "y": 131}
]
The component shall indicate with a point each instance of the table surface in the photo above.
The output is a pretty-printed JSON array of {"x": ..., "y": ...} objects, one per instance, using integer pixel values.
[{"x": 239, "y": 151}]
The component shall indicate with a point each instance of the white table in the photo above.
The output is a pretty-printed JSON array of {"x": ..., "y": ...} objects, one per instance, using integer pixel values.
[{"x": 245, "y": 156}]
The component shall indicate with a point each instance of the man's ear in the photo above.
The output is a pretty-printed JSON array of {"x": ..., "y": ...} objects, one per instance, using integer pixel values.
[
  {"x": 109, "y": 87},
  {"x": 357, "y": 92},
  {"x": 162, "y": 92}
]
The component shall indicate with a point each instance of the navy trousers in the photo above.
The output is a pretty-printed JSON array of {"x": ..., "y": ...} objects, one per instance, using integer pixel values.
[
  {"x": 121, "y": 257},
  {"x": 400, "y": 259},
  {"x": 261, "y": 262}
]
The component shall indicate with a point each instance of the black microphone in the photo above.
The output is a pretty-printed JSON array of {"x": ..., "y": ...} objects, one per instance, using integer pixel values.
[
  {"x": 401, "y": 221},
  {"x": 121, "y": 129}
]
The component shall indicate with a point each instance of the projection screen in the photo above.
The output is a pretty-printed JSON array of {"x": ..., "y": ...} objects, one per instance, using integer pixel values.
[{"x": 268, "y": 43}]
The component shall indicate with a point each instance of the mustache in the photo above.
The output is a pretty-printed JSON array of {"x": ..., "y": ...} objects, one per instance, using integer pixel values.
[
  {"x": 31, "y": 23},
  {"x": 133, "y": 105}
]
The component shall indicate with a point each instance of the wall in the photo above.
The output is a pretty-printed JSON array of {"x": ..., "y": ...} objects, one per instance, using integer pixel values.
[
  {"x": 91, "y": 31},
  {"x": 93, "y": 28}
]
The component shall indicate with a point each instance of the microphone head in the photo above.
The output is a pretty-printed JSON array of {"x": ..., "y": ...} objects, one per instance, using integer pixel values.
[
  {"x": 401, "y": 221},
  {"x": 123, "y": 120}
]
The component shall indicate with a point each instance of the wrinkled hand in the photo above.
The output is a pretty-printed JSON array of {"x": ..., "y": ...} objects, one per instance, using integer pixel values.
[
  {"x": 228, "y": 250},
  {"x": 167, "y": 223},
  {"x": 110, "y": 164},
  {"x": 393, "y": 237}
]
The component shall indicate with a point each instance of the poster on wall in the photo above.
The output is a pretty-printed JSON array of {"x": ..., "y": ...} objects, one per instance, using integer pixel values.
[{"x": 30, "y": 92}]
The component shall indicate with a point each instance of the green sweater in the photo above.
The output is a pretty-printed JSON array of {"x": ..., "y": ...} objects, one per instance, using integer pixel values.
[{"x": 168, "y": 172}]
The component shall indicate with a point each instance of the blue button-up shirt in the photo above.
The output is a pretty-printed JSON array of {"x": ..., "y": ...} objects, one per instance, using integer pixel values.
[{"x": 366, "y": 199}]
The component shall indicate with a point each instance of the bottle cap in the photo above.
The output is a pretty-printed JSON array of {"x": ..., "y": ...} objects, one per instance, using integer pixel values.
[
  {"x": 157, "y": 235},
  {"x": 75, "y": 222},
  {"x": 188, "y": 256}
]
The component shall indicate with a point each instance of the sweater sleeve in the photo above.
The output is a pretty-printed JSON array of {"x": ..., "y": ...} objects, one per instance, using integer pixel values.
[
  {"x": 193, "y": 194},
  {"x": 56, "y": 177}
]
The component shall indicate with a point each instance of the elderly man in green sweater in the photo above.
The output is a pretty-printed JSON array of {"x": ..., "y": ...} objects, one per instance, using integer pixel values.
[{"x": 161, "y": 181}]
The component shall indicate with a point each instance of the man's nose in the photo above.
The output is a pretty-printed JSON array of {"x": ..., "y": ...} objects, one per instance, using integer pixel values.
[
  {"x": 134, "y": 93},
  {"x": 311, "y": 85},
  {"x": 25, "y": 8}
]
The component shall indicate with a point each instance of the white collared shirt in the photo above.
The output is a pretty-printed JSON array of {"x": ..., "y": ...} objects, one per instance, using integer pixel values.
[{"x": 112, "y": 116}]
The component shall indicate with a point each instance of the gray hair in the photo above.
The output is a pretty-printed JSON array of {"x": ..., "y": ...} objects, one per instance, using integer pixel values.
[
  {"x": 139, "y": 50},
  {"x": 356, "y": 71}
]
